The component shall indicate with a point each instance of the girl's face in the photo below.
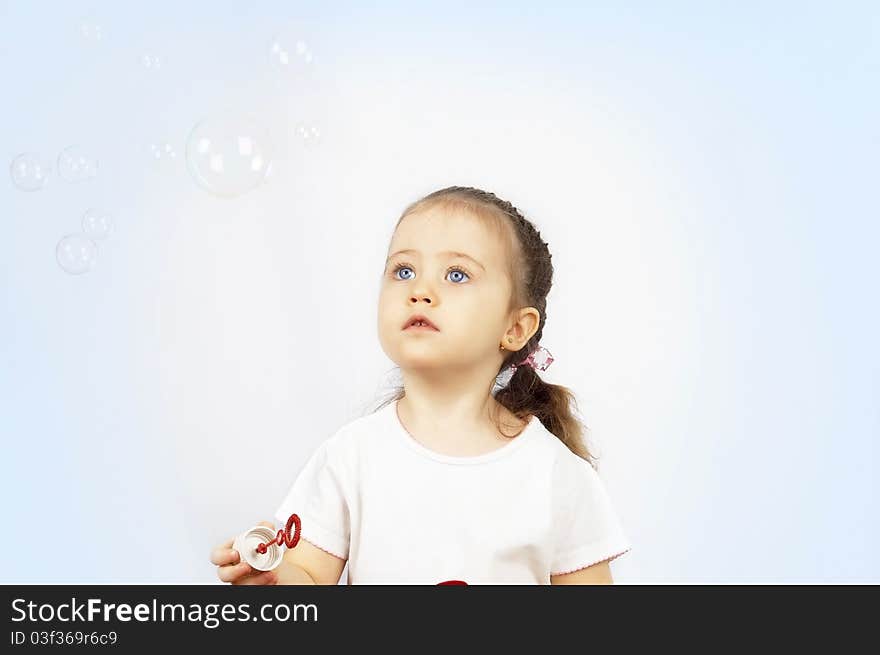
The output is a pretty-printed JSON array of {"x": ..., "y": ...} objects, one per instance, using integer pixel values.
[{"x": 466, "y": 296}]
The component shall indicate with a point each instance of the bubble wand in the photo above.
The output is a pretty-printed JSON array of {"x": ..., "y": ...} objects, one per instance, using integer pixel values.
[{"x": 261, "y": 547}]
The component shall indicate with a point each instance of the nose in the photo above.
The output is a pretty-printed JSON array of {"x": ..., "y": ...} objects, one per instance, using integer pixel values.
[{"x": 427, "y": 299}]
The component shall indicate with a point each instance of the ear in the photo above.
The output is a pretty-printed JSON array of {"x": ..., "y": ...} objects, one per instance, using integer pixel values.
[{"x": 524, "y": 325}]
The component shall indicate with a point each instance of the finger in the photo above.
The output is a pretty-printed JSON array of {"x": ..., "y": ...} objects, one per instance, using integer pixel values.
[
  {"x": 228, "y": 573},
  {"x": 217, "y": 550},
  {"x": 224, "y": 555},
  {"x": 262, "y": 578},
  {"x": 233, "y": 572}
]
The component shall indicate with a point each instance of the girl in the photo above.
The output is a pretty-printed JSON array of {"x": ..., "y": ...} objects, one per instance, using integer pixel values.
[{"x": 459, "y": 477}]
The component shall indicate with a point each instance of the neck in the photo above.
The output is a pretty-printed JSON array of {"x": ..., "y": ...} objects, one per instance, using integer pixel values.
[{"x": 448, "y": 406}]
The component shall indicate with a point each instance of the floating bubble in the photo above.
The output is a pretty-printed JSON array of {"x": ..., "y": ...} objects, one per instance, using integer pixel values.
[
  {"x": 90, "y": 30},
  {"x": 228, "y": 155},
  {"x": 308, "y": 133},
  {"x": 76, "y": 253},
  {"x": 163, "y": 151},
  {"x": 75, "y": 165},
  {"x": 290, "y": 54},
  {"x": 97, "y": 224},
  {"x": 151, "y": 62},
  {"x": 29, "y": 171}
]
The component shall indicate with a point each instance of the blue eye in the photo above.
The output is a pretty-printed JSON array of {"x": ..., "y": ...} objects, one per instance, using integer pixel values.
[
  {"x": 452, "y": 269},
  {"x": 458, "y": 270}
]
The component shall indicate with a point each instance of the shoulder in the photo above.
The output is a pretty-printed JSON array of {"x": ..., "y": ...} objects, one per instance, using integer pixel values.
[
  {"x": 567, "y": 467},
  {"x": 575, "y": 481},
  {"x": 550, "y": 446},
  {"x": 351, "y": 439}
]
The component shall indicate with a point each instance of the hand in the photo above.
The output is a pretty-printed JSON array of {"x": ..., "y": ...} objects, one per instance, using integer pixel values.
[{"x": 231, "y": 569}]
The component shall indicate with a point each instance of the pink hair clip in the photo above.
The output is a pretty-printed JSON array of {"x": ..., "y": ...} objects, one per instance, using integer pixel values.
[{"x": 540, "y": 359}]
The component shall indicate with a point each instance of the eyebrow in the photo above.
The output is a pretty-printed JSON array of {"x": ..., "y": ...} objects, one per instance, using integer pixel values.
[{"x": 445, "y": 252}]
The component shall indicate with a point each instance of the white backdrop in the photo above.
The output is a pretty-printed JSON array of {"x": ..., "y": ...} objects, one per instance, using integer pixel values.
[{"x": 705, "y": 179}]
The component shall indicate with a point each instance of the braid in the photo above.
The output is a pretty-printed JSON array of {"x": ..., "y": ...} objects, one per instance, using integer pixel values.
[{"x": 541, "y": 279}]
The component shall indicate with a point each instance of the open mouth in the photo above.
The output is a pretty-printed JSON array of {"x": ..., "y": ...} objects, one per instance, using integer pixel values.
[{"x": 420, "y": 323}]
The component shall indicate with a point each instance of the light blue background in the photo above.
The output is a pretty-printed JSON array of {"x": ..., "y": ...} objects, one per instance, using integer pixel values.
[{"x": 706, "y": 177}]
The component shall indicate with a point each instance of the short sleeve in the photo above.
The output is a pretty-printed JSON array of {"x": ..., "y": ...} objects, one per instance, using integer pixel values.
[
  {"x": 587, "y": 529},
  {"x": 318, "y": 497}
]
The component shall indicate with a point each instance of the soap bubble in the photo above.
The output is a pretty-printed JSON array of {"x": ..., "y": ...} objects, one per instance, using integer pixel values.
[
  {"x": 163, "y": 151},
  {"x": 97, "y": 224},
  {"x": 228, "y": 155},
  {"x": 29, "y": 171},
  {"x": 74, "y": 165},
  {"x": 76, "y": 254},
  {"x": 287, "y": 53},
  {"x": 90, "y": 30},
  {"x": 307, "y": 133},
  {"x": 151, "y": 62}
]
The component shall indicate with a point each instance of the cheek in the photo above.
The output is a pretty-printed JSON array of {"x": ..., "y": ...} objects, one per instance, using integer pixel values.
[
  {"x": 487, "y": 306},
  {"x": 386, "y": 316}
]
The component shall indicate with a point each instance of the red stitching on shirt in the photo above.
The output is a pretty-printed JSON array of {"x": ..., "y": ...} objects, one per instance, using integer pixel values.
[{"x": 583, "y": 566}]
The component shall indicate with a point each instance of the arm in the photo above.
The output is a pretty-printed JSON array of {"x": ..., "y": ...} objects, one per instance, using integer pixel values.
[
  {"x": 290, "y": 573},
  {"x": 599, "y": 573},
  {"x": 306, "y": 564}
]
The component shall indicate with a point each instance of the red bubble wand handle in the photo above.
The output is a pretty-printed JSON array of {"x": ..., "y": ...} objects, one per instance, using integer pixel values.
[{"x": 283, "y": 536}]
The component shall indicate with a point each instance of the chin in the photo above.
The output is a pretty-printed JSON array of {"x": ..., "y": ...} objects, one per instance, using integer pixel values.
[{"x": 415, "y": 358}]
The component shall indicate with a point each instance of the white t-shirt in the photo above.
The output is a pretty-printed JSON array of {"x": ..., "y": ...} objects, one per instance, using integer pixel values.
[{"x": 401, "y": 513}]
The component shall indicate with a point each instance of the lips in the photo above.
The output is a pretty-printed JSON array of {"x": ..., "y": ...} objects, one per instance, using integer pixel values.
[{"x": 413, "y": 321}]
